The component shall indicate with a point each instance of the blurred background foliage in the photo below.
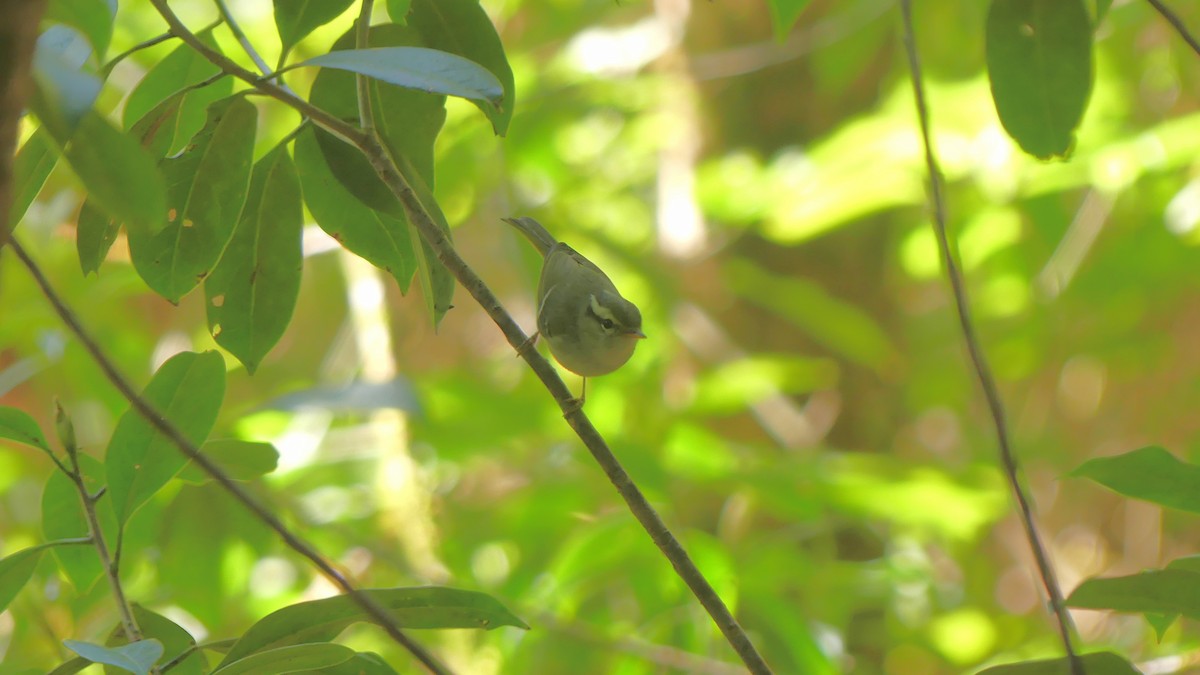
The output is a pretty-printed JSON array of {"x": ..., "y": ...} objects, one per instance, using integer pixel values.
[{"x": 802, "y": 415}]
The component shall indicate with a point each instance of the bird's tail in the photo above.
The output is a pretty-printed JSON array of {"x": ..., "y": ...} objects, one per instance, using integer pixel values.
[{"x": 534, "y": 232}]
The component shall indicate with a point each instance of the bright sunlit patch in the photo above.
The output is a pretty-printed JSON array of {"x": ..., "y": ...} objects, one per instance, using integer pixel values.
[
  {"x": 1081, "y": 386},
  {"x": 618, "y": 51},
  {"x": 272, "y": 576},
  {"x": 1004, "y": 295},
  {"x": 964, "y": 636},
  {"x": 1183, "y": 211},
  {"x": 492, "y": 563},
  {"x": 919, "y": 253},
  {"x": 991, "y": 231},
  {"x": 693, "y": 451}
]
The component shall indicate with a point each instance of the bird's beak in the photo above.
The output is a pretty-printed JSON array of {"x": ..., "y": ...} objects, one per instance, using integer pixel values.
[{"x": 636, "y": 334}]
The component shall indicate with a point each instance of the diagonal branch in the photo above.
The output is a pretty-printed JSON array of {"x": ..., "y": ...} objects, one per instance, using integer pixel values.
[
  {"x": 978, "y": 359},
  {"x": 166, "y": 428},
  {"x": 1176, "y": 23},
  {"x": 391, "y": 175}
]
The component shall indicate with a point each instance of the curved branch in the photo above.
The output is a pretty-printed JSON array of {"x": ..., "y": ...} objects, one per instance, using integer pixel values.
[
  {"x": 390, "y": 174},
  {"x": 979, "y": 362}
]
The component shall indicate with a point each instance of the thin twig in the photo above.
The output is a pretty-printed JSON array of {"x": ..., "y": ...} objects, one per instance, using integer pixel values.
[
  {"x": 240, "y": 36},
  {"x": 133, "y": 632},
  {"x": 388, "y": 172},
  {"x": 362, "y": 40},
  {"x": 1176, "y": 23},
  {"x": 978, "y": 360},
  {"x": 189, "y": 449}
]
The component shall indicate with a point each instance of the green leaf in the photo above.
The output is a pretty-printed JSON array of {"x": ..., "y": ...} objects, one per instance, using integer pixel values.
[
  {"x": 362, "y": 663},
  {"x": 323, "y": 620},
  {"x": 93, "y": 18},
  {"x": 187, "y": 390},
  {"x": 377, "y": 237},
  {"x": 17, "y": 425},
  {"x": 290, "y": 659},
  {"x": 173, "y": 76},
  {"x": 427, "y": 70},
  {"x": 63, "y": 518},
  {"x": 295, "y": 19},
  {"x": 1169, "y": 591},
  {"x": 32, "y": 166},
  {"x": 398, "y": 10},
  {"x": 207, "y": 188},
  {"x": 95, "y": 233},
  {"x": 118, "y": 174},
  {"x": 174, "y": 638},
  {"x": 1097, "y": 663},
  {"x": 64, "y": 90},
  {"x": 137, "y": 657},
  {"x": 784, "y": 14},
  {"x": 462, "y": 27},
  {"x": 15, "y": 571},
  {"x": 1039, "y": 57},
  {"x": 240, "y": 460},
  {"x": 1151, "y": 474},
  {"x": 251, "y": 294}
]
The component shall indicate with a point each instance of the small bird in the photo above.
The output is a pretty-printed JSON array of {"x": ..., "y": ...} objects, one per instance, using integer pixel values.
[{"x": 590, "y": 328}]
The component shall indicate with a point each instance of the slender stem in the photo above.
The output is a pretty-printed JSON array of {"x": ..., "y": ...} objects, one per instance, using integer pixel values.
[
  {"x": 979, "y": 361},
  {"x": 1176, "y": 23},
  {"x": 362, "y": 39},
  {"x": 112, "y": 63},
  {"x": 388, "y": 172},
  {"x": 132, "y": 632},
  {"x": 240, "y": 36},
  {"x": 189, "y": 449}
]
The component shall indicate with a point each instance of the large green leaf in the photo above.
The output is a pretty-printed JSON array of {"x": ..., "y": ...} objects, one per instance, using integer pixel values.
[
  {"x": 173, "y": 76},
  {"x": 289, "y": 659},
  {"x": 462, "y": 27},
  {"x": 1039, "y": 58},
  {"x": 207, "y": 188},
  {"x": 187, "y": 390},
  {"x": 252, "y": 292},
  {"x": 63, "y": 518},
  {"x": 136, "y": 657},
  {"x": 429, "y": 70},
  {"x": 295, "y": 19},
  {"x": 1097, "y": 663},
  {"x": 1151, "y": 474},
  {"x": 1168, "y": 591},
  {"x": 32, "y": 166},
  {"x": 323, "y": 620},
  {"x": 377, "y": 237},
  {"x": 95, "y": 232}
]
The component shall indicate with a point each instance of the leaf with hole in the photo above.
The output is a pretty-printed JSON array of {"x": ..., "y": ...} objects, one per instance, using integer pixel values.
[
  {"x": 207, "y": 188},
  {"x": 1039, "y": 59},
  {"x": 251, "y": 294}
]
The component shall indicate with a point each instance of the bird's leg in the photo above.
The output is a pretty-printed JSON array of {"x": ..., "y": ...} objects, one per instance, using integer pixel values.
[{"x": 576, "y": 404}]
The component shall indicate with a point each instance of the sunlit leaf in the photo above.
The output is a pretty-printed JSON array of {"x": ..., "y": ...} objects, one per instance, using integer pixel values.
[
  {"x": 289, "y": 659},
  {"x": 240, "y": 460},
  {"x": 136, "y": 657},
  {"x": 427, "y": 70},
  {"x": 322, "y": 620},
  {"x": 207, "y": 188},
  {"x": 295, "y": 19},
  {"x": 462, "y": 27},
  {"x": 251, "y": 294},
  {"x": 1097, "y": 663},
  {"x": 187, "y": 390},
  {"x": 1039, "y": 57},
  {"x": 1151, "y": 474}
]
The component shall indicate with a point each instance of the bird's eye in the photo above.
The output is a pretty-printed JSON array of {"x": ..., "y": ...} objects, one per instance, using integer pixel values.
[{"x": 607, "y": 323}]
